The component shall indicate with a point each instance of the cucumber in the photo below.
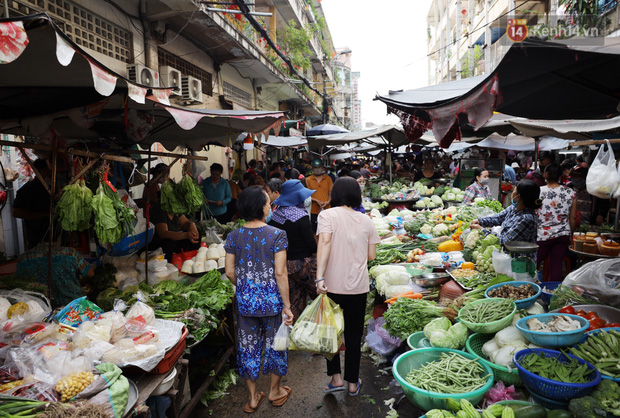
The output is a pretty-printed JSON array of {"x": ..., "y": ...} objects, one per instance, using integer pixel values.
[{"x": 529, "y": 411}]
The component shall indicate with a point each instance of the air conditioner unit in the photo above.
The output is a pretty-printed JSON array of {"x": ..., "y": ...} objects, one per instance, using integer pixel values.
[
  {"x": 171, "y": 77},
  {"x": 191, "y": 88},
  {"x": 143, "y": 75}
]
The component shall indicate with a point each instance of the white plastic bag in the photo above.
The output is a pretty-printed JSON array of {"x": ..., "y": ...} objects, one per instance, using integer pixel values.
[
  {"x": 602, "y": 179},
  {"x": 280, "y": 341},
  {"x": 502, "y": 263}
]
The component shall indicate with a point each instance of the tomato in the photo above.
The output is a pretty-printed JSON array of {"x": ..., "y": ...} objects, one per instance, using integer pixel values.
[
  {"x": 583, "y": 315},
  {"x": 612, "y": 325},
  {"x": 579, "y": 312},
  {"x": 591, "y": 315},
  {"x": 568, "y": 310},
  {"x": 590, "y": 328},
  {"x": 597, "y": 323}
]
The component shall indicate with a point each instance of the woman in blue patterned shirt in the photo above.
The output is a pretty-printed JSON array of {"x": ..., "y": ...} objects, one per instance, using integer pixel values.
[
  {"x": 256, "y": 264},
  {"x": 519, "y": 221}
]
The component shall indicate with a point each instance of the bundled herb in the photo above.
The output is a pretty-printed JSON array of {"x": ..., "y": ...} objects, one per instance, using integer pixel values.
[
  {"x": 387, "y": 257},
  {"x": 450, "y": 373},
  {"x": 74, "y": 207},
  {"x": 549, "y": 367},
  {"x": 188, "y": 188},
  {"x": 172, "y": 199},
  {"x": 407, "y": 316}
]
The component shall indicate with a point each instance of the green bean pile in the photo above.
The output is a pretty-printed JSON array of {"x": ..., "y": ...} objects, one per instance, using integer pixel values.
[
  {"x": 451, "y": 373},
  {"x": 487, "y": 311}
]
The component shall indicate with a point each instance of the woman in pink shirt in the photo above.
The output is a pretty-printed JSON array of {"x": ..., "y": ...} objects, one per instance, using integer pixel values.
[{"x": 347, "y": 240}]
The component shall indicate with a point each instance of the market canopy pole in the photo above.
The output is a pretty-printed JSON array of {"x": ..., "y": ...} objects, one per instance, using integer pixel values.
[{"x": 51, "y": 228}]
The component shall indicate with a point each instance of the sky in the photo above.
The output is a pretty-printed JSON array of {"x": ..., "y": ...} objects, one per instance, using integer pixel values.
[{"x": 388, "y": 41}]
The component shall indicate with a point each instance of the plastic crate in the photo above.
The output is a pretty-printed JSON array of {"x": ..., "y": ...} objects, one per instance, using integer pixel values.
[
  {"x": 474, "y": 346},
  {"x": 552, "y": 389}
]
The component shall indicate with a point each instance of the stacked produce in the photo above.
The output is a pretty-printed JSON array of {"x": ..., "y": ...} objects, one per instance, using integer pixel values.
[
  {"x": 74, "y": 208},
  {"x": 451, "y": 195},
  {"x": 196, "y": 305},
  {"x": 501, "y": 349},
  {"x": 422, "y": 188},
  {"x": 441, "y": 333}
]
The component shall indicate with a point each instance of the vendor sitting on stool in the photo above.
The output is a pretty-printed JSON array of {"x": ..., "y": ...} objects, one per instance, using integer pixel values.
[
  {"x": 69, "y": 270},
  {"x": 173, "y": 233}
]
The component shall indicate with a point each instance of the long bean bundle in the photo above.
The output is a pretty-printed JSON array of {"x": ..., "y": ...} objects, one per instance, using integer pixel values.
[
  {"x": 487, "y": 311},
  {"x": 451, "y": 373}
]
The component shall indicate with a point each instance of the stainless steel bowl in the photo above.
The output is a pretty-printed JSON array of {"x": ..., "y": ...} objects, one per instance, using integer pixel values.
[{"x": 430, "y": 279}]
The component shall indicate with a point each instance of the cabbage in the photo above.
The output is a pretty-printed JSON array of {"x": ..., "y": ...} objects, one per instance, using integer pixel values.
[
  {"x": 442, "y": 323},
  {"x": 444, "y": 339},
  {"x": 450, "y": 196},
  {"x": 456, "y": 190},
  {"x": 377, "y": 270},
  {"x": 436, "y": 200},
  {"x": 420, "y": 204},
  {"x": 460, "y": 333},
  {"x": 479, "y": 199},
  {"x": 394, "y": 212}
]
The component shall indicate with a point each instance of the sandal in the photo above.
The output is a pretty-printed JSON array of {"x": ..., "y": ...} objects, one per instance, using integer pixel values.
[
  {"x": 280, "y": 401},
  {"x": 359, "y": 386},
  {"x": 248, "y": 409},
  {"x": 333, "y": 388}
]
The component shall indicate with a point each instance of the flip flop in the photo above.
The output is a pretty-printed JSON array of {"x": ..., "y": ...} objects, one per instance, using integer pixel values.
[
  {"x": 248, "y": 409},
  {"x": 280, "y": 401},
  {"x": 333, "y": 388},
  {"x": 359, "y": 386}
]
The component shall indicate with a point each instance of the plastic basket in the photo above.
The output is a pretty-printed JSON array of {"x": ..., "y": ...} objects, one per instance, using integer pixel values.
[
  {"x": 418, "y": 340},
  {"x": 552, "y": 339},
  {"x": 521, "y": 303},
  {"x": 129, "y": 245},
  {"x": 412, "y": 360},
  {"x": 594, "y": 332},
  {"x": 491, "y": 327},
  {"x": 552, "y": 389},
  {"x": 548, "y": 403},
  {"x": 474, "y": 346},
  {"x": 546, "y": 297}
]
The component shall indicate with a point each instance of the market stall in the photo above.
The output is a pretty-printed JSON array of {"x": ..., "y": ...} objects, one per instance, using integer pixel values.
[
  {"x": 78, "y": 354},
  {"x": 432, "y": 269}
]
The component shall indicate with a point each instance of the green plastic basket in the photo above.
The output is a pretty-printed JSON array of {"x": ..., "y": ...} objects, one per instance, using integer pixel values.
[
  {"x": 474, "y": 346},
  {"x": 412, "y": 360},
  {"x": 490, "y": 327},
  {"x": 418, "y": 340}
]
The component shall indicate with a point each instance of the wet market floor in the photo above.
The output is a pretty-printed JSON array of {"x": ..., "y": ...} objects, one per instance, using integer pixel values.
[{"x": 306, "y": 377}]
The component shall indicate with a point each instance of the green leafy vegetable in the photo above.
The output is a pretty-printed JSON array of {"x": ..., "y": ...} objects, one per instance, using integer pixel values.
[
  {"x": 494, "y": 205},
  {"x": 188, "y": 188},
  {"x": 74, "y": 208},
  {"x": 407, "y": 316},
  {"x": 172, "y": 200}
]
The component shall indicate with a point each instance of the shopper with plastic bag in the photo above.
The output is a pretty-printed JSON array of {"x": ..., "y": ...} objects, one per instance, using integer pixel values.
[
  {"x": 347, "y": 240},
  {"x": 319, "y": 328},
  {"x": 256, "y": 264}
]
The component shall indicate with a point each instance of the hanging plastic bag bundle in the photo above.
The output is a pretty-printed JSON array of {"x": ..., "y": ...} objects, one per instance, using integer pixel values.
[
  {"x": 319, "y": 328},
  {"x": 602, "y": 179}
]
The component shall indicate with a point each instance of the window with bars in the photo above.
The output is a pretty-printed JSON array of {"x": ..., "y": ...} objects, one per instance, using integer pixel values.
[
  {"x": 166, "y": 58},
  {"x": 235, "y": 94},
  {"x": 81, "y": 26}
]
